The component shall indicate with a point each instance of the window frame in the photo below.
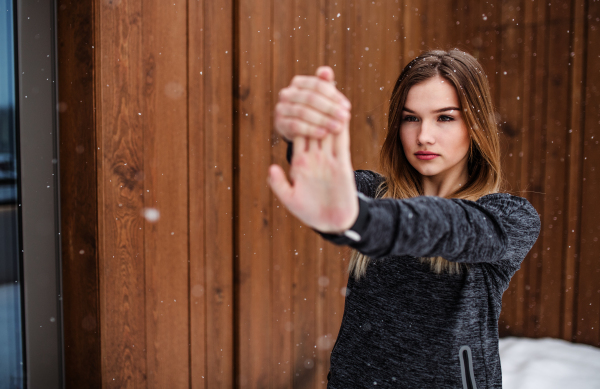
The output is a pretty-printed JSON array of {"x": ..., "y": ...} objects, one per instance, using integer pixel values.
[{"x": 39, "y": 197}]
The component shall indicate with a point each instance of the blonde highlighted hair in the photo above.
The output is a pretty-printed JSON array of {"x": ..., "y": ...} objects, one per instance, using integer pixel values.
[{"x": 402, "y": 180}]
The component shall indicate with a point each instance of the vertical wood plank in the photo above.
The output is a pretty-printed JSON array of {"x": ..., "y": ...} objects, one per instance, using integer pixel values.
[
  {"x": 218, "y": 149},
  {"x": 166, "y": 190},
  {"x": 334, "y": 277},
  {"x": 308, "y": 53},
  {"x": 198, "y": 218},
  {"x": 254, "y": 195},
  {"x": 555, "y": 204},
  {"x": 413, "y": 34},
  {"x": 212, "y": 190},
  {"x": 575, "y": 164},
  {"x": 511, "y": 113},
  {"x": 519, "y": 302},
  {"x": 537, "y": 171},
  {"x": 440, "y": 29},
  {"x": 75, "y": 33},
  {"x": 120, "y": 159},
  {"x": 282, "y": 221},
  {"x": 588, "y": 300},
  {"x": 320, "y": 364},
  {"x": 368, "y": 98}
]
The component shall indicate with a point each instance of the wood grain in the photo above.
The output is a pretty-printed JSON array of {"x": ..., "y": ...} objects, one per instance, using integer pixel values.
[
  {"x": 282, "y": 221},
  {"x": 197, "y": 169},
  {"x": 165, "y": 189},
  {"x": 575, "y": 165},
  {"x": 556, "y": 121},
  {"x": 334, "y": 275},
  {"x": 510, "y": 108},
  {"x": 212, "y": 171},
  {"x": 254, "y": 234},
  {"x": 120, "y": 161},
  {"x": 538, "y": 100}
]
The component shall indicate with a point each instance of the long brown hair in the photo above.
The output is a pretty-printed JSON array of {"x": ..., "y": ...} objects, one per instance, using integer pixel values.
[{"x": 402, "y": 180}]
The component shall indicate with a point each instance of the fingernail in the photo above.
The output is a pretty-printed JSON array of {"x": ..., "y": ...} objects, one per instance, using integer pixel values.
[
  {"x": 320, "y": 132},
  {"x": 346, "y": 104}
]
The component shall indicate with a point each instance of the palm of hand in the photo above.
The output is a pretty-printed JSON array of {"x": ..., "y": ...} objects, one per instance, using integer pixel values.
[{"x": 323, "y": 194}]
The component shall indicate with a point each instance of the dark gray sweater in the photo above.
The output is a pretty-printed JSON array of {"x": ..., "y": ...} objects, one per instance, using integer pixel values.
[{"x": 407, "y": 327}]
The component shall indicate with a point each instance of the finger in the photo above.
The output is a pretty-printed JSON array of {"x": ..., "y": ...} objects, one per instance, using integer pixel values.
[
  {"x": 327, "y": 145},
  {"x": 316, "y": 101},
  {"x": 291, "y": 111},
  {"x": 341, "y": 144},
  {"x": 280, "y": 185},
  {"x": 324, "y": 87},
  {"x": 295, "y": 127},
  {"x": 313, "y": 145},
  {"x": 326, "y": 73},
  {"x": 299, "y": 146}
]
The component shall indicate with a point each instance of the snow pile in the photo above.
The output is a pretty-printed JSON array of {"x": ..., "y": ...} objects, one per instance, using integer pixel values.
[{"x": 548, "y": 364}]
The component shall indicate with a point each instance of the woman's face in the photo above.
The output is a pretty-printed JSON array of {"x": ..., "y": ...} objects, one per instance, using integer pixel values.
[{"x": 432, "y": 122}]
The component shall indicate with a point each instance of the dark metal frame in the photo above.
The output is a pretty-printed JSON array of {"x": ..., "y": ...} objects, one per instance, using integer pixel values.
[{"x": 39, "y": 192}]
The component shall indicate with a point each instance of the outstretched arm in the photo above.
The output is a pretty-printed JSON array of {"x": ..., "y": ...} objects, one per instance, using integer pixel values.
[{"x": 323, "y": 196}]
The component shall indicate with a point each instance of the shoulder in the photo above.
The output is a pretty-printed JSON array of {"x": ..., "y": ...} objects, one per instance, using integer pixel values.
[
  {"x": 520, "y": 224},
  {"x": 506, "y": 204},
  {"x": 514, "y": 212},
  {"x": 367, "y": 181}
]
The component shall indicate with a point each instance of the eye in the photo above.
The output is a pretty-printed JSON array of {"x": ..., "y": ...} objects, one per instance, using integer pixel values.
[
  {"x": 445, "y": 118},
  {"x": 409, "y": 118}
]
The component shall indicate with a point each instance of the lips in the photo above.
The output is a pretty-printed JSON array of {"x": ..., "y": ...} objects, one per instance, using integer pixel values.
[{"x": 424, "y": 155}]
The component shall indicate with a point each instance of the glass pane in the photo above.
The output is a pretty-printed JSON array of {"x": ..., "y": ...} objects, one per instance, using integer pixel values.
[{"x": 11, "y": 356}]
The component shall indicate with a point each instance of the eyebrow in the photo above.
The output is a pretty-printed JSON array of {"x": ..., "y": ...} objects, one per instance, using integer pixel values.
[{"x": 436, "y": 111}]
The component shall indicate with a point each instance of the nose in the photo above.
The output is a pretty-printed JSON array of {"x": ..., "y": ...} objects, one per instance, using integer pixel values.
[{"x": 425, "y": 134}]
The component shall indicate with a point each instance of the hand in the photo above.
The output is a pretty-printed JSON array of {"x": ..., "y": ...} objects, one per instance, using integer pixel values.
[
  {"x": 323, "y": 195},
  {"x": 312, "y": 106}
]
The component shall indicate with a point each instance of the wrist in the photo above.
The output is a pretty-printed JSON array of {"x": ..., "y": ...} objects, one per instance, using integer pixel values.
[{"x": 359, "y": 225}]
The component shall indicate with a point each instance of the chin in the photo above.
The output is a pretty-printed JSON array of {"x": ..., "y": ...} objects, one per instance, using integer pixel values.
[{"x": 427, "y": 171}]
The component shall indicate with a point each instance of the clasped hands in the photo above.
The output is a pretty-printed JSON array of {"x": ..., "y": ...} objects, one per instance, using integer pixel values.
[{"x": 316, "y": 116}]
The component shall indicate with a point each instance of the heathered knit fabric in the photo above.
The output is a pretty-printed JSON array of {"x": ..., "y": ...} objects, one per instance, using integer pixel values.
[{"x": 405, "y": 326}]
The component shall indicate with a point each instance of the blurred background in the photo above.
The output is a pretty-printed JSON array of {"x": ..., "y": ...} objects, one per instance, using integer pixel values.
[{"x": 182, "y": 269}]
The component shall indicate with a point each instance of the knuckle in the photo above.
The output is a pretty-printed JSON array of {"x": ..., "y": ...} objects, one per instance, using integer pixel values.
[
  {"x": 278, "y": 109},
  {"x": 297, "y": 127},
  {"x": 283, "y": 94},
  {"x": 301, "y": 112},
  {"x": 329, "y": 88}
]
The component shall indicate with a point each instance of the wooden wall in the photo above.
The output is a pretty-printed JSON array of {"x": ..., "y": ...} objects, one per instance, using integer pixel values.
[{"x": 181, "y": 268}]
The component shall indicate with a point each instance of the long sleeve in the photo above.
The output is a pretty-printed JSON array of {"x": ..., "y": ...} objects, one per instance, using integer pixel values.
[{"x": 495, "y": 227}]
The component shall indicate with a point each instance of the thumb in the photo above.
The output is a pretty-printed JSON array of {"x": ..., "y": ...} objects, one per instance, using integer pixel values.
[
  {"x": 325, "y": 73},
  {"x": 279, "y": 184}
]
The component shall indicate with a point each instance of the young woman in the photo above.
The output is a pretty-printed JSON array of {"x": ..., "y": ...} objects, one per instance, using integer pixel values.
[{"x": 435, "y": 242}]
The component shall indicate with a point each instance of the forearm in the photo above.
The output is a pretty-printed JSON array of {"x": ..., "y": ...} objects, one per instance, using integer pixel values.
[{"x": 428, "y": 226}]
